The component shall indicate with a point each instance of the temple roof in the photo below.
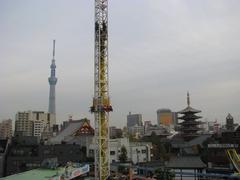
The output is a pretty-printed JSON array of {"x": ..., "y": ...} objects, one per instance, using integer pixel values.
[
  {"x": 74, "y": 129},
  {"x": 189, "y": 116},
  {"x": 189, "y": 109},
  {"x": 190, "y": 128},
  {"x": 190, "y": 123},
  {"x": 186, "y": 162}
]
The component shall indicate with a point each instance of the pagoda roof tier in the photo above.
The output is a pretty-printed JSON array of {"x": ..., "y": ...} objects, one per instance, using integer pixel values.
[
  {"x": 189, "y": 116},
  {"x": 189, "y": 134},
  {"x": 189, "y": 109},
  {"x": 190, "y": 128},
  {"x": 190, "y": 123}
]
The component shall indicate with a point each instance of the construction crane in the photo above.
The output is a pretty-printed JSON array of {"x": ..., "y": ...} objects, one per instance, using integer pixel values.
[{"x": 101, "y": 102}]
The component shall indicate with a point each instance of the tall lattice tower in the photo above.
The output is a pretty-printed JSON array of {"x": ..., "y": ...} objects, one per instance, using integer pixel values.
[{"x": 101, "y": 102}]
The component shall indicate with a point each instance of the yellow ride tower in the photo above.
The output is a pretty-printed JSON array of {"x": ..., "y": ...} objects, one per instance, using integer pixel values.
[{"x": 101, "y": 102}]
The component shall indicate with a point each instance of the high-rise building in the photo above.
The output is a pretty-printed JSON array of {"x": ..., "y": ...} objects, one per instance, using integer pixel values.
[
  {"x": 134, "y": 119},
  {"x": 23, "y": 124},
  {"x": 32, "y": 123},
  {"x": 135, "y": 125},
  {"x": 52, "y": 82},
  {"x": 6, "y": 129},
  {"x": 164, "y": 117}
]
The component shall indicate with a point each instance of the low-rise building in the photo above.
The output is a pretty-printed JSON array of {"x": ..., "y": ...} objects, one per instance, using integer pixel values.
[
  {"x": 115, "y": 132},
  {"x": 26, "y": 154},
  {"x": 4, "y": 146},
  {"x": 135, "y": 151},
  {"x": 75, "y": 132},
  {"x": 161, "y": 130},
  {"x": 136, "y": 131}
]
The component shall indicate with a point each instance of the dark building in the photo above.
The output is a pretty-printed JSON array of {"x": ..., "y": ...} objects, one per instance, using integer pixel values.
[
  {"x": 134, "y": 119},
  {"x": 115, "y": 132},
  {"x": 189, "y": 126},
  {"x": 229, "y": 122},
  {"x": 55, "y": 128},
  {"x": 215, "y": 153},
  {"x": 232, "y": 137},
  {"x": 4, "y": 144},
  {"x": 27, "y": 155}
]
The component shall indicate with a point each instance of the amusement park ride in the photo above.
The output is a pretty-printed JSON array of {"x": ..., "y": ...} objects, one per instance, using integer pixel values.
[
  {"x": 235, "y": 159},
  {"x": 101, "y": 101}
]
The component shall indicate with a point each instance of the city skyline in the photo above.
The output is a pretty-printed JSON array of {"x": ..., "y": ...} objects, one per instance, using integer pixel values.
[{"x": 158, "y": 51}]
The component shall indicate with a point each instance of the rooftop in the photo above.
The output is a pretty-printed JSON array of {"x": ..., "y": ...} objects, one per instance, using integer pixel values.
[
  {"x": 189, "y": 109},
  {"x": 70, "y": 132},
  {"x": 36, "y": 174},
  {"x": 186, "y": 162}
]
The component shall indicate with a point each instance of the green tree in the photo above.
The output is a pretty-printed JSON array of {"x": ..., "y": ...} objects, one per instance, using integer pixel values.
[
  {"x": 123, "y": 154},
  {"x": 164, "y": 174}
]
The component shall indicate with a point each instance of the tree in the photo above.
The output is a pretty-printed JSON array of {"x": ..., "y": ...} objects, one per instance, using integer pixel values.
[
  {"x": 123, "y": 154},
  {"x": 165, "y": 174}
]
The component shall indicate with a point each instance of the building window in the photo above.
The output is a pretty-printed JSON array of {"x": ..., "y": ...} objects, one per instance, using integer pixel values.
[
  {"x": 144, "y": 151},
  {"x": 112, "y": 153},
  {"x": 137, "y": 151}
]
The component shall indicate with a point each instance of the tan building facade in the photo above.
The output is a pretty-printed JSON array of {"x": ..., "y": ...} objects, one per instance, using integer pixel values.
[
  {"x": 6, "y": 129},
  {"x": 164, "y": 117},
  {"x": 32, "y": 123}
]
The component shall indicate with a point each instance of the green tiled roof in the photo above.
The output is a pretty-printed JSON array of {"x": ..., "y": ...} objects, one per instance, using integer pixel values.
[
  {"x": 68, "y": 172},
  {"x": 35, "y": 174}
]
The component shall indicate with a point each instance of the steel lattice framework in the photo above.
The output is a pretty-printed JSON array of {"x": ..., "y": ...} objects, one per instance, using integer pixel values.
[{"x": 101, "y": 102}]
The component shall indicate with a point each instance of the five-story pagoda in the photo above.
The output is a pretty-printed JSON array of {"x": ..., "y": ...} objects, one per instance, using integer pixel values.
[{"x": 189, "y": 125}]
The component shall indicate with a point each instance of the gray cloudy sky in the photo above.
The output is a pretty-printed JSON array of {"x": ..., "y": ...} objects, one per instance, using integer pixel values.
[{"x": 159, "y": 49}]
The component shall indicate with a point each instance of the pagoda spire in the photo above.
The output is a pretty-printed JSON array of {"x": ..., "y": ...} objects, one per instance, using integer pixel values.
[{"x": 188, "y": 99}]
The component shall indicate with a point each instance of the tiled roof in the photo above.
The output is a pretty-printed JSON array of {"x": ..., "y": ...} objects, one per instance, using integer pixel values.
[
  {"x": 186, "y": 162},
  {"x": 67, "y": 133},
  {"x": 36, "y": 174},
  {"x": 189, "y": 109}
]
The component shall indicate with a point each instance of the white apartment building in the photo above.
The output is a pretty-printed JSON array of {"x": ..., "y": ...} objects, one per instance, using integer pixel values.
[
  {"x": 38, "y": 128},
  {"x": 136, "y": 151},
  {"x": 6, "y": 129},
  {"x": 32, "y": 123}
]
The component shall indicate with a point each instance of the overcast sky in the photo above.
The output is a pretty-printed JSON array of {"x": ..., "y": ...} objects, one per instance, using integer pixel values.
[{"x": 158, "y": 50}]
